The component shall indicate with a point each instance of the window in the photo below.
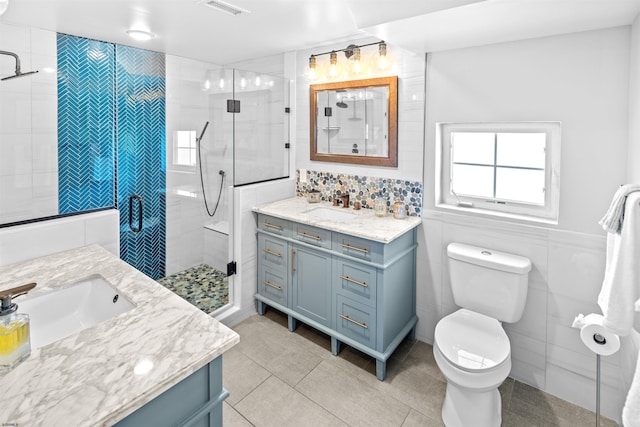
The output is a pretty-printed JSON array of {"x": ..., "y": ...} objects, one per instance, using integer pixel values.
[
  {"x": 184, "y": 148},
  {"x": 507, "y": 168}
]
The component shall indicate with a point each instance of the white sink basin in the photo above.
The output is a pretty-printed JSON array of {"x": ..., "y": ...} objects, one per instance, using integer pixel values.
[
  {"x": 62, "y": 312},
  {"x": 333, "y": 214}
]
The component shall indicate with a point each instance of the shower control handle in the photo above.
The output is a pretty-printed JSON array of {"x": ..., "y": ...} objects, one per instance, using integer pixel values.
[{"x": 140, "y": 208}]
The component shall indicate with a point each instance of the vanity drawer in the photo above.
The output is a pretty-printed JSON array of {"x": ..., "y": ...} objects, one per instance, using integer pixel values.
[
  {"x": 356, "y": 321},
  {"x": 312, "y": 235},
  {"x": 273, "y": 285},
  {"x": 355, "y": 281},
  {"x": 272, "y": 252},
  {"x": 274, "y": 225},
  {"x": 358, "y": 248}
]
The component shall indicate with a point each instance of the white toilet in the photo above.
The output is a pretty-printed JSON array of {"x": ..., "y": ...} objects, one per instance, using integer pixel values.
[{"x": 470, "y": 347}]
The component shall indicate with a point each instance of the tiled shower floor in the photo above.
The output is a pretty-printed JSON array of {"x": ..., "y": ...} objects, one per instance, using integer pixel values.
[{"x": 203, "y": 286}]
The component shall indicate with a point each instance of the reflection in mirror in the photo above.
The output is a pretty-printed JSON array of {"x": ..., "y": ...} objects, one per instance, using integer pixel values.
[{"x": 355, "y": 121}]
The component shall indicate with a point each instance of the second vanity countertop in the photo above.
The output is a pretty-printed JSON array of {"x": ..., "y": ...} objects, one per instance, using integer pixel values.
[
  {"x": 363, "y": 224},
  {"x": 89, "y": 378}
]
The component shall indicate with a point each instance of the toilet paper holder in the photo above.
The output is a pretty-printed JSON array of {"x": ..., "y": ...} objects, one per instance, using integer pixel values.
[{"x": 589, "y": 323}]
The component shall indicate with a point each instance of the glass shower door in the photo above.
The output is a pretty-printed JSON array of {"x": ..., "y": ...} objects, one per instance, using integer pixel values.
[
  {"x": 140, "y": 82},
  {"x": 260, "y": 128}
]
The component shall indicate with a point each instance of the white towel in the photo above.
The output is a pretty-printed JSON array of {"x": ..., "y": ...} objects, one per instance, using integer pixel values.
[
  {"x": 612, "y": 220},
  {"x": 621, "y": 284},
  {"x": 631, "y": 410}
]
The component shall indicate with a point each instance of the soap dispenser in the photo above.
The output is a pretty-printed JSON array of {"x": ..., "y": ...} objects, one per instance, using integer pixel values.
[{"x": 15, "y": 343}]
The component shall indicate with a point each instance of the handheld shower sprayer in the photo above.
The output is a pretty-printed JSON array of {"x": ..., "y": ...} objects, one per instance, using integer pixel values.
[
  {"x": 18, "y": 71},
  {"x": 220, "y": 172}
]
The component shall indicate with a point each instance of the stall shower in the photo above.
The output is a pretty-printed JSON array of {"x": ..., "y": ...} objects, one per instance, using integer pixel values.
[
  {"x": 236, "y": 126},
  {"x": 164, "y": 140}
]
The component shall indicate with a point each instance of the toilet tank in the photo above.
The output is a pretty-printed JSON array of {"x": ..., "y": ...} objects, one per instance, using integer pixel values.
[{"x": 489, "y": 282}]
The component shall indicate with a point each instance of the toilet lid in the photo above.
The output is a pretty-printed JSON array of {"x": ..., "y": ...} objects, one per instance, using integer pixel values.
[{"x": 472, "y": 341}]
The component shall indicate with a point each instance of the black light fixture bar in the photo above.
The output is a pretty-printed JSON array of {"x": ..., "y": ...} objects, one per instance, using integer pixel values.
[{"x": 349, "y": 48}]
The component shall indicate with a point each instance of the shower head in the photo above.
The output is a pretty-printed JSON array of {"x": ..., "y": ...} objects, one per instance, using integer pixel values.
[
  {"x": 15, "y": 76},
  {"x": 341, "y": 104},
  {"x": 18, "y": 72},
  {"x": 204, "y": 129}
]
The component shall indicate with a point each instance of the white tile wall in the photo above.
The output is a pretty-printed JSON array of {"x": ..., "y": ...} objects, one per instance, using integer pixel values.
[
  {"x": 28, "y": 241},
  {"x": 245, "y": 283},
  {"x": 28, "y": 125}
]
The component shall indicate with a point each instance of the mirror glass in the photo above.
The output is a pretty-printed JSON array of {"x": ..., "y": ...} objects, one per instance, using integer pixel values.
[{"x": 355, "y": 121}]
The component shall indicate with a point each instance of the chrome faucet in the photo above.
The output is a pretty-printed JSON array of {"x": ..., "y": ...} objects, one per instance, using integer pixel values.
[{"x": 6, "y": 306}]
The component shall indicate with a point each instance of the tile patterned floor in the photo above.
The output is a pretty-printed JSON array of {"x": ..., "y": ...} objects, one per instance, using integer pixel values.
[
  {"x": 279, "y": 378},
  {"x": 203, "y": 286}
]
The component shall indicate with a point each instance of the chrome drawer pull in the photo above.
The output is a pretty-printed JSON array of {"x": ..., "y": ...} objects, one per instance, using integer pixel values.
[
  {"x": 268, "y": 283},
  {"x": 362, "y": 325},
  {"x": 303, "y": 234},
  {"x": 349, "y": 279},
  {"x": 270, "y": 252},
  {"x": 268, "y": 224},
  {"x": 366, "y": 251}
]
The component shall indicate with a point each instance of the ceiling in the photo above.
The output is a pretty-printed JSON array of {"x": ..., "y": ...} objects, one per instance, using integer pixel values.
[{"x": 188, "y": 28}]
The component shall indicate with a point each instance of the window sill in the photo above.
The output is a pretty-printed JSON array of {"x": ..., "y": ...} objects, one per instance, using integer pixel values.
[{"x": 485, "y": 213}]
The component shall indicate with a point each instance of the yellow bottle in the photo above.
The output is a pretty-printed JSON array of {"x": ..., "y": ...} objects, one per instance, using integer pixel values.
[{"x": 15, "y": 345}]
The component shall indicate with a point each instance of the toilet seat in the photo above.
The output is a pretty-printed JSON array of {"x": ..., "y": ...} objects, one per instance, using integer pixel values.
[{"x": 472, "y": 341}]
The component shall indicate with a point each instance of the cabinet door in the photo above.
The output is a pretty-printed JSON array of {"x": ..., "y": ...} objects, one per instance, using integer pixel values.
[{"x": 312, "y": 284}]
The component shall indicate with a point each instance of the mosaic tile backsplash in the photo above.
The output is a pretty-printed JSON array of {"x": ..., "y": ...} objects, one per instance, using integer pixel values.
[{"x": 362, "y": 189}]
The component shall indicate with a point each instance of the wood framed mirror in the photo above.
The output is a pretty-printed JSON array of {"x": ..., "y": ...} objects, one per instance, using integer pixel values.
[{"x": 355, "y": 121}]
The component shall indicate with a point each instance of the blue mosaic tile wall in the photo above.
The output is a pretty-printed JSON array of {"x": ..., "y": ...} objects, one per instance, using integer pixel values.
[
  {"x": 111, "y": 117},
  {"x": 86, "y": 117},
  {"x": 363, "y": 189}
]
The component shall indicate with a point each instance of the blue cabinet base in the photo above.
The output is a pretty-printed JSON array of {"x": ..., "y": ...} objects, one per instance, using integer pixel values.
[
  {"x": 195, "y": 401},
  {"x": 409, "y": 331}
]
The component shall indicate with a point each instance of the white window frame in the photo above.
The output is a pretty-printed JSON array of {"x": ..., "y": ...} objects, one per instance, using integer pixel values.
[
  {"x": 192, "y": 149},
  {"x": 548, "y": 212}
]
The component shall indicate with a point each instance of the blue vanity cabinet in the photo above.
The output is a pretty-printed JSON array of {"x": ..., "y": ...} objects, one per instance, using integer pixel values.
[
  {"x": 195, "y": 401},
  {"x": 360, "y": 292}
]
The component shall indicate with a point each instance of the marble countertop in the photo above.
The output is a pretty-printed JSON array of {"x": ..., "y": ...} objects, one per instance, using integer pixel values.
[
  {"x": 88, "y": 379},
  {"x": 363, "y": 224}
]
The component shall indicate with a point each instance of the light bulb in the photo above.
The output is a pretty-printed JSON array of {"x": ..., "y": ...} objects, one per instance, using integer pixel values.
[
  {"x": 356, "y": 58},
  {"x": 333, "y": 60},
  {"x": 382, "y": 50},
  {"x": 312, "y": 67},
  {"x": 258, "y": 81}
]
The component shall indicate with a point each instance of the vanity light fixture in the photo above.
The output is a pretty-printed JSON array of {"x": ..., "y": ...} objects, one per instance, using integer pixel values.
[
  {"x": 350, "y": 52},
  {"x": 140, "y": 35}
]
